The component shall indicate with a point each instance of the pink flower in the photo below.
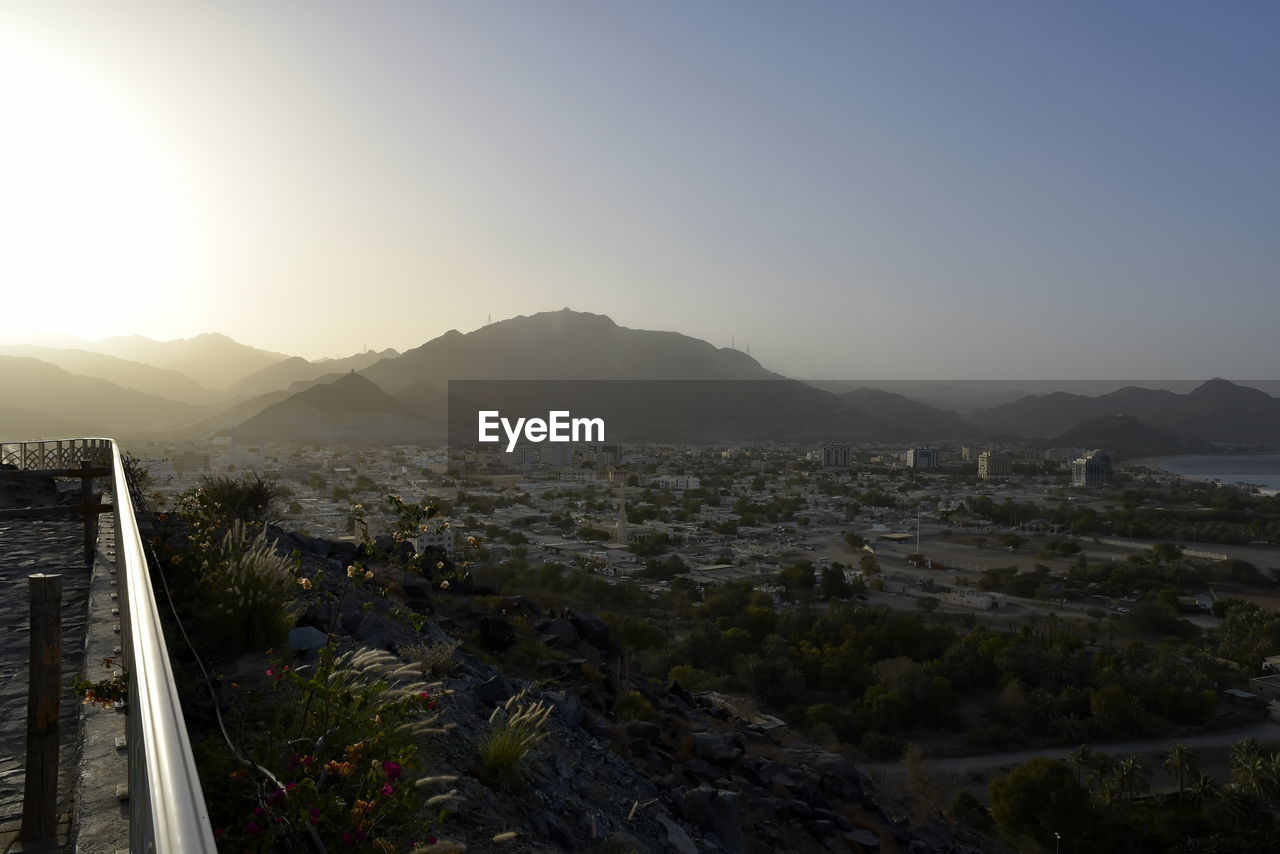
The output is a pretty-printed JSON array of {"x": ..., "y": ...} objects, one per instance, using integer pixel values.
[
  {"x": 270, "y": 672},
  {"x": 252, "y": 828},
  {"x": 392, "y": 770},
  {"x": 387, "y": 789}
]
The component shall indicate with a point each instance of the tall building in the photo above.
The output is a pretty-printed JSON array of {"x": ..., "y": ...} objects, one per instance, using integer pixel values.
[
  {"x": 992, "y": 466},
  {"x": 1090, "y": 470},
  {"x": 922, "y": 458},
  {"x": 835, "y": 456}
]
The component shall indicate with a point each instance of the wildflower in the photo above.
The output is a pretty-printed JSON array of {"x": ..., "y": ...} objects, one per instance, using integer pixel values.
[
  {"x": 304, "y": 583},
  {"x": 444, "y": 585},
  {"x": 387, "y": 789},
  {"x": 392, "y": 770},
  {"x": 251, "y": 828},
  {"x": 444, "y": 525},
  {"x": 314, "y": 813},
  {"x": 471, "y": 541},
  {"x": 270, "y": 672},
  {"x": 439, "y": 564},
  {"x": 351, "y": 572},
  {"x": 368, "y": 573},
  {"x": 423, "y": 527}
]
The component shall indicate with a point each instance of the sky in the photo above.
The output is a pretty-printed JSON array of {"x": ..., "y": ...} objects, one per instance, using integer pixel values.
[{"x": 902, "y": 190}]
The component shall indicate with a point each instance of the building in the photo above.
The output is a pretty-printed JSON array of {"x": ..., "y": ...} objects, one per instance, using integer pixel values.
[
  {"x": 436, "y": 537},
  {"x": 922, "y": 458},
  {"x": 1090, "y": 470},
  {"x": 993, "y": 466},
  {"x": 677, "y": 483},
  {"x": 835, "y": 456}
]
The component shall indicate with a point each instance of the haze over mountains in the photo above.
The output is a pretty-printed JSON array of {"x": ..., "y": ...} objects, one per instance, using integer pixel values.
[{"x": 136, "y": 387}]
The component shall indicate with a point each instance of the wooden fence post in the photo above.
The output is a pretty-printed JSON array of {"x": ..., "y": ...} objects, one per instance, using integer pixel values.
[{"x": 40, "y": 792}]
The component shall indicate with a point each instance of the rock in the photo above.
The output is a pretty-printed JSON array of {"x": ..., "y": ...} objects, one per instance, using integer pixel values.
[
  {"x": 644, "y": 729},
  {"x": 568, "y": 707},
  {"x": 496, "y": 690},
  {"x": 560, "y": 632},
  {"x": 677, "y": 839},
  {"x": 718, "y": 812},
  {"x": 865, "y": 838},
  {"x": 496, "y": 633},
  {"x": 624, "y": 843},
  {"x": 720, "y": 748},
  {"x": 592, "y": 629},
  {"x": 307, "y": 638}
]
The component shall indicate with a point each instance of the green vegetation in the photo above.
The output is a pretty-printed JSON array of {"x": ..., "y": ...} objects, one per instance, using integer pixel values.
[
  {"x": 1099, "y": 802},
  {"x": 517, "y": 727}
]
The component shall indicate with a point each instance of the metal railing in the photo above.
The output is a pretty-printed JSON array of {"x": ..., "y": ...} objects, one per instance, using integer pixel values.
[
  {"x": 55, "y": 453},
  {"x": 167, "y": 810}
]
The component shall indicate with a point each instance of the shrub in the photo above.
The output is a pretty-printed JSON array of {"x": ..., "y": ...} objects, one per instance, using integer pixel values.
[
  {"x": 633, "y": 706},
  {"x": 250, "y": 586},
  {"x": 436, "y": 658},
  {"x": 251, "y": 497},
  {"x": 517, "y": 727}
]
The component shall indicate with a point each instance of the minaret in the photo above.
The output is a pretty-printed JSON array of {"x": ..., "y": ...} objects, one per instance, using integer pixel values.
[{"x": 620, "y": 527}]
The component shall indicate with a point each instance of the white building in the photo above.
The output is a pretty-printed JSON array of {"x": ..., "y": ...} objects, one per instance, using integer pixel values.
[{"x": 677, "y": 483}]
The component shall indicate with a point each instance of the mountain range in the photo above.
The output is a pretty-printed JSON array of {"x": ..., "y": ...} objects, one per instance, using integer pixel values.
[{"x": 676, "y": 388}]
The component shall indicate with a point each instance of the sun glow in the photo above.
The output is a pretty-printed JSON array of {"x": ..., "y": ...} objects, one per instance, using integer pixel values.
[{"x": 95, "y": 218}]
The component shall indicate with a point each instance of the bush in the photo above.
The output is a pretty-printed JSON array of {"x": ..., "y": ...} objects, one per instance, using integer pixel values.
[
  {"x": 436, "y": 659},
  {"x": 517, "y": 727},
  {"x": 250, "y": 586},
  {"x": 252, "y": 497}
]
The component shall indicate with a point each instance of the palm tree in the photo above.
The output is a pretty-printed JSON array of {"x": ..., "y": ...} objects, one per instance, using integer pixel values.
[
  {"x": 1128, "y": 778},
  {"x": 1251, "y": 773},
  {"x": 1202, "y": 788},
  {"x": 1181, "y": 761},
  {"x": 1080, "y": 757}
]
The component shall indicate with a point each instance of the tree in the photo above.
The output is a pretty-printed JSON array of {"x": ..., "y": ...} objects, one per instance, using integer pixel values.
[
  {"x": 928, "y": 604},
  {"x": 834, "y": 584},
  {"x": 1181, "y": 762},
  {"x": 854, "y": 540},
  {"x": 867, "y": 563},
  {"x": 1038, "y": 799}
]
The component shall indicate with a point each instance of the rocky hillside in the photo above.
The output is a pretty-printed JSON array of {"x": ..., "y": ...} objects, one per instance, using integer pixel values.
[{"x": 674, "y": 772}]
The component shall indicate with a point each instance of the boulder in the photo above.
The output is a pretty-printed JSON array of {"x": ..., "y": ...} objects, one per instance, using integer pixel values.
[
  {"x": 716, "y": 811},
  {"x": 496, "y": 633},
  {"x": 496, "y": 690},
  {"x": 307, "y": 638}
]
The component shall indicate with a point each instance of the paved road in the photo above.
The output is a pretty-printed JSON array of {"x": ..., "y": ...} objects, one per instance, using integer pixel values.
[{"x": 1268, "y": 731}]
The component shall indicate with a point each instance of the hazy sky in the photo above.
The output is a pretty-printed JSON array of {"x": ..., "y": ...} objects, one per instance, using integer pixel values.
[{"x": 854, "y": 189}]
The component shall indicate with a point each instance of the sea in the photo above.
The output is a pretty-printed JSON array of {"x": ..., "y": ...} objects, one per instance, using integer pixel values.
[{"x": 1258, "y": 469}]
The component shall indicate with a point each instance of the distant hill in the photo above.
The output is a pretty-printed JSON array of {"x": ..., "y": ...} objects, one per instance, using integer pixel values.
[
  {"x": 127, "y": 374},
  {"x": 24, "y": 425},
  {"x": 104, "y": 408},
  {"x": 563, "y": 345},
  {"x": 348, "y": 409},
  {"x": 1127, "y": 437},
  {"x": 1217, "y": 411},
  {"x": 214, "y": 361},
  {"x": 905, "y": 419},
  {"x": 282, "y": 374}
]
